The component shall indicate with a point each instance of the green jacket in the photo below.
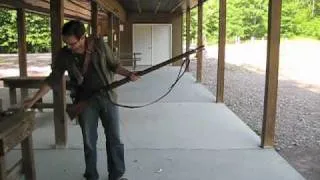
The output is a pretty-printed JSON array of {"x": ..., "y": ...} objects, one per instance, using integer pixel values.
[{"x": 103, "y": 61}]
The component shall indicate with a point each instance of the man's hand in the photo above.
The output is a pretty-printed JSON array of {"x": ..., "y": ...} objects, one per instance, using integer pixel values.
[
  {"x": 28, "y": 103},
  {"x": 133, "y": 76}
]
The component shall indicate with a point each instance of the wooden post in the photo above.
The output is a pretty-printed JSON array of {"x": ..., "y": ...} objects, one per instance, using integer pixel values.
[
  {"x": 60, "y": 122},
  {"x": 188, "y": 17},
  {"x": 271, "y": 86},
  {"x": 221, "y": 51},
  {"x": 22, "y": 48},
  {"x": 110, "y": 30},
  {"x": 200, "y": 41},
  {"x": 28, "y": 159},
  {"x": 116, "y": 36},
  {"x": 94, "y": 18}
]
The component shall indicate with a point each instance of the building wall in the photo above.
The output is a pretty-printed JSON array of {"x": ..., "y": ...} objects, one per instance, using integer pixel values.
[{"x": 174, "y": 19}]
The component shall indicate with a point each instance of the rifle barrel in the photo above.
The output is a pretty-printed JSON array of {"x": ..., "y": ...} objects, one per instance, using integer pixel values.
[{"x": 153, "y": 68}]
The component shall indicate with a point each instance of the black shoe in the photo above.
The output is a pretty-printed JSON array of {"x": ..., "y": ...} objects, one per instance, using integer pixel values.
[
  {"x": 89, "y": 177},
  {"x": 117, "y": 178}
]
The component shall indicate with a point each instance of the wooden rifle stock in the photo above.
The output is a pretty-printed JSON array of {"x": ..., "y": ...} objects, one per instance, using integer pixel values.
[{"x": 74, "y": 110}]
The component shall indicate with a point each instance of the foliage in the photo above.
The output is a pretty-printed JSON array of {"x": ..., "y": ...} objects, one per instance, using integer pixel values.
[
  {"x": 245, "y": 19},
  {"x": 37, "y": 29},
  {"x": 8, "y": 31},
  {"x": 38, "y": 33},
  {"x": 248, "y": 19}
]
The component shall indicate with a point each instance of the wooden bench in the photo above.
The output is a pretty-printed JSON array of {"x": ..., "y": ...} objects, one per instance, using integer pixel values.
[
  {"x": 30, "y": 82},
  {"x": 15, "y": 129},
  {"x": 15, "y": 82}
]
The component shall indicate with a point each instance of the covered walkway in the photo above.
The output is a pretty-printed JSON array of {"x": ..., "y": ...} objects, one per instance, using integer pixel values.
[{"x": 185, "y": 136}]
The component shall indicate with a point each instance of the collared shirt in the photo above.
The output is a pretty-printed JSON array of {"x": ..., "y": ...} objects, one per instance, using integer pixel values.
[{"x": 100, "y": 71}]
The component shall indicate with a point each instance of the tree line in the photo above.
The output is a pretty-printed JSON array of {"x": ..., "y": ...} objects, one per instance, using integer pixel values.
[{"x": 246, "y": 19}]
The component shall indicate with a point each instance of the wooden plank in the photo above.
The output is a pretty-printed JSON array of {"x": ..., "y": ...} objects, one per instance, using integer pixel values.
[
  {"x": 94, "y": 18},
  {"x": 200, "y": 42},
  {"x": 28, "y": 158},
  {"x": 24, "y": 5},
  {"x": 43, "y": 7},
  {"x": 16, "y": 171},
  {"x": 23, "y": 82},
  {"x": 30, "y": 82},
  {"x": 13, "y": 130},
  {"x": 60, "y": 121},
  {"x": 188, "y": 18},
  {"x": 16, "y": 128},
  {"x": 70, "y": 9},
  {"x": 221, "y": 51},
  {"x": 9, "y": 123},
  {"x": 114, "y": 7},
  {"x": 271, "y": 86},
  {"x": 22, "y": 48}
]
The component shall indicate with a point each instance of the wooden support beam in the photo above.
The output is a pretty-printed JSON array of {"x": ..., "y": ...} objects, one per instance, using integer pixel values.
[
  {"x": 60, "y": 120},
  {"x": 114, "y": 7},
  {"x": 221, "y": 51},
  {"x": 110, "y": 30},
  {"x": 28, "y": 158},
  {"x": 94, "y": 18},
  {"x": 22, "y": 48},
  {"x": 271, "y": 86},
  {"x": 117, "y": 35},
  {"x": 200, "y": 42},
  {"x": 188, "y": 18}
]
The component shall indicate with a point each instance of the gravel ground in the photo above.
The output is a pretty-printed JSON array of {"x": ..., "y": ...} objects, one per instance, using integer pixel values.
[{"x": 298, "y": 111}]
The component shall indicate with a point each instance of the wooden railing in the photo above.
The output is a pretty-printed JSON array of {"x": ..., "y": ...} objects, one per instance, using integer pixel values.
[{"x": 127, "y": 58}]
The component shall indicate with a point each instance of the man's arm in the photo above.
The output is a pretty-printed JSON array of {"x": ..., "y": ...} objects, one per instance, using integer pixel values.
[
  {"x": 44, "y": 89},
  {"x": 58, "y": 68},
  {"x": 124, "y": 72}
]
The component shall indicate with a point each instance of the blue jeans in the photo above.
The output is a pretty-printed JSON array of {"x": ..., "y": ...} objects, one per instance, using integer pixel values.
[{"x": 100, "y": 106}]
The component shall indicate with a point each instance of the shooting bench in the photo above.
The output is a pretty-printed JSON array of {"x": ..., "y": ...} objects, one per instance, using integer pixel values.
[
  {"x": 15, "y": 129},
  {"x": 15, "y": 82},
  {"x": 30, "y": 82}
]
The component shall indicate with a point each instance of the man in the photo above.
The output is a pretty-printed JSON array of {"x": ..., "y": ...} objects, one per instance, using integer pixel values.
[{"x": 90, "y": 65}]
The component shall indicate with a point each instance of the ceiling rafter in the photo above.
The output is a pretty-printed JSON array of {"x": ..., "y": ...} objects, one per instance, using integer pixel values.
[
  {"x": 157, "y": 7},
  {"x": 138, "y": 6},
  {"x": 177, "y": 5}
]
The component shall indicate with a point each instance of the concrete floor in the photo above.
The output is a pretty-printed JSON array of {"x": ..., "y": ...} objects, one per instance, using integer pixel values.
[{"x": 183, "y": 137}]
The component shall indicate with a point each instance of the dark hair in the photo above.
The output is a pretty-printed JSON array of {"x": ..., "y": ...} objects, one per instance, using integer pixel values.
[{"x": 73, "y": 28}]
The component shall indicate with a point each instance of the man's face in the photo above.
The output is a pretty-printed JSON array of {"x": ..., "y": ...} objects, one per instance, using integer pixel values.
[{"x": 75, "y": 44}]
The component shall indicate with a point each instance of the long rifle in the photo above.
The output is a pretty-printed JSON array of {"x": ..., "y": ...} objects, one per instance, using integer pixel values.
[{"x": 74, "y": 110}]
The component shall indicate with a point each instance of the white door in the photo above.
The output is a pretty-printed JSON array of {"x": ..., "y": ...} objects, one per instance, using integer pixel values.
[
  {"x": 161, "y": 43},
  {"x": 153, "y": 41},
  {"x": 142, "y": 43}
]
